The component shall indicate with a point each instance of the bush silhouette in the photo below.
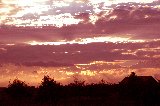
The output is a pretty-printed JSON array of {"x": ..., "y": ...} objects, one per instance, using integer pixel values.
[
  {"x": 76, "y": 88},
  {"x": 18, "y": 89},
  {"x": 77, "y": 82}
]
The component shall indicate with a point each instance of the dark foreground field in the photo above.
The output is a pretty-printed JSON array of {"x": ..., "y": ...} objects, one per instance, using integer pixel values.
[{"x": 132, "y": 91}]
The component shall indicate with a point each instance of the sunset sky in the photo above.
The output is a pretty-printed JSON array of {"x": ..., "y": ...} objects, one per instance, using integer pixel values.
[{"x": 88, "y": 39}]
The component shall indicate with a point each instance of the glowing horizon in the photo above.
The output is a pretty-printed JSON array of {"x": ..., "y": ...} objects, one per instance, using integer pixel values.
[{"x": 89, "y": 40}]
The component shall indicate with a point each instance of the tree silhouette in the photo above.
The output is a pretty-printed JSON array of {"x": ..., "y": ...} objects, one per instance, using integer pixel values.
[
  {"x": 49, "y": 89},
  {"x": 18, "y": 89}
]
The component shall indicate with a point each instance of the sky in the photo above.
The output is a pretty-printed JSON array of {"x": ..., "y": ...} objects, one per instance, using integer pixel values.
[{"x": 88, "y": 39}]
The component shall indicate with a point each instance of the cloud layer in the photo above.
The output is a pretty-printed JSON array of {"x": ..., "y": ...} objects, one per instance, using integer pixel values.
[
  {"x": 68, "y": 54},
  {"x": 135, "y": 20}
]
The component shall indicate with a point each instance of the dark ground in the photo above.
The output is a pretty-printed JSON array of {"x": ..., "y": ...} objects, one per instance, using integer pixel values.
[{"x": 51, "y": 93}]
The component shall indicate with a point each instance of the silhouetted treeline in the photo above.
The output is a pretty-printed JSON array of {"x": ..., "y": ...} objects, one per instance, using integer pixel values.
[{"x": 130, "y": 91}]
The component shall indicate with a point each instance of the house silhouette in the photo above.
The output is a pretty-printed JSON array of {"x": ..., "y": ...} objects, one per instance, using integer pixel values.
[
  {"x": 141, "y": 81},
  {"x": 139, "y": 87}
]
